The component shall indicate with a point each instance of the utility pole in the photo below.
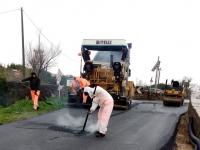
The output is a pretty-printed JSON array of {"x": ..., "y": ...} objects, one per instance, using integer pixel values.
[
  {"x": 151, "y": 81},
  {"x": 22, "y": 30}
]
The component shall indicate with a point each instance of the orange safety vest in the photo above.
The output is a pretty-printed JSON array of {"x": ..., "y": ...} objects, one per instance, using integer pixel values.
[{"x": 83, "y": 82}]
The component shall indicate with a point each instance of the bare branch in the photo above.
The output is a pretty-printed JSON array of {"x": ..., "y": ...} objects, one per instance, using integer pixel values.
[{"x": 40, "y": 58}]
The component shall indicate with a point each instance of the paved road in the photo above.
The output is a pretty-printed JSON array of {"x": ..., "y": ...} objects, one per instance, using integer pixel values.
[{"x": 147, "y": 126}]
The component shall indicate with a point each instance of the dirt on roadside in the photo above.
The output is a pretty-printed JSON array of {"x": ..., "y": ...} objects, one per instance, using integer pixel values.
[{"x": 182, "y": 137}]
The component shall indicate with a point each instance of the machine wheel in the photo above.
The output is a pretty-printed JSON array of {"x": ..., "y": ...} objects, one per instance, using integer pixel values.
[
  {"x": 129, "y": 104},
  {"x": 182, "y": 102},
  {"x": 178, "y": 104},
  {"x": 164, "y": 103}
]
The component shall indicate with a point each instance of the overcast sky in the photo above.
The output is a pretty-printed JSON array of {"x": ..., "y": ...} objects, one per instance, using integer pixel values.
[{"x": 166, "y": 28}]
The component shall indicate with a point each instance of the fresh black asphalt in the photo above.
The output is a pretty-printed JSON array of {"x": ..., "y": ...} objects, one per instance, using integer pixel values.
[{"x": 147, "y": 126}]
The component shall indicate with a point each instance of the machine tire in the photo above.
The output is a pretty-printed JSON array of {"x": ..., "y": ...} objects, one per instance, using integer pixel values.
[
  {"x": 182, "y": 102},
  {"x": 129, "y": 104}
]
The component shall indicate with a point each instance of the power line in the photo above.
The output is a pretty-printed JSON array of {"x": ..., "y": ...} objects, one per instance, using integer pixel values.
[
  {"x": 8, "y": 11},
  {"x": 34, "y": 24},
  {"x": 39, "y": 30},
  {"x": 70, "y": 58}
]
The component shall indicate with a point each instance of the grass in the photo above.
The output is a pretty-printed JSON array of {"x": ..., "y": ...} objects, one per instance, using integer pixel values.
[{"x": 23, "y": 109}]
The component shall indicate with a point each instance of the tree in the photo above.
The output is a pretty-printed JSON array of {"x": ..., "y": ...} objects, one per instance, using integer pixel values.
[{"x": 42, "y": 58}]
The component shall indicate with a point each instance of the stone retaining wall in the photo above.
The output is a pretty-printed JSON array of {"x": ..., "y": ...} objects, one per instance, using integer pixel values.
[{"x": 15, "y": 91}]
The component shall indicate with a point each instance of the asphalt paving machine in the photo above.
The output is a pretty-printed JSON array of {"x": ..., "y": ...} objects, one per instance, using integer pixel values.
[{"x": 110, "y": 68}]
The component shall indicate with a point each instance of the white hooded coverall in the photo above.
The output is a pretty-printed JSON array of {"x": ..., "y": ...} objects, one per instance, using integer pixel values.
[{"x": 105, "y": 101}]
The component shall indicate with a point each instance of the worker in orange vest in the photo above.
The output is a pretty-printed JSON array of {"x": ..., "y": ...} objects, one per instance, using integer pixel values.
[
  {"x": 78, "y": 84},
  {"x": 34, "y": 88},
  {"x": 82, "y": 82}
]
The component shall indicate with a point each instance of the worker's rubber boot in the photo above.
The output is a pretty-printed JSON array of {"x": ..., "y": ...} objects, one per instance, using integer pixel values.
[
  {"x": 35, "y": 108},
  {"x": 98, "y": 134}
]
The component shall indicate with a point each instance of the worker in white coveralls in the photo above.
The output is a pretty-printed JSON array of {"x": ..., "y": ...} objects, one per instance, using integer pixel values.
[{"x": 103, "y": 99}]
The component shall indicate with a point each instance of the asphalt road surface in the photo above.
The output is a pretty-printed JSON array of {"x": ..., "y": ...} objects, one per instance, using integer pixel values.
[{"x": 147, "y": 126}]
